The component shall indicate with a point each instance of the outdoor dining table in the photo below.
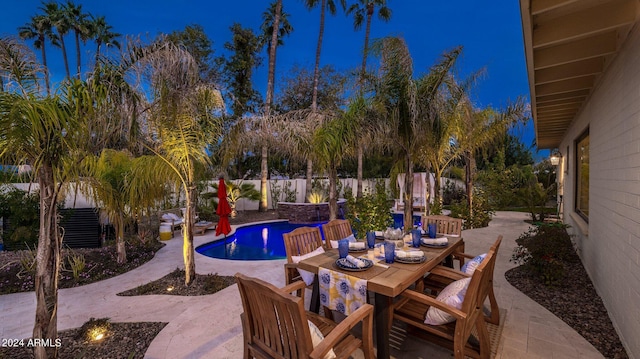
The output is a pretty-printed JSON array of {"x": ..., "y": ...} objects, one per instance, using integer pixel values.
[{"x": 385, "y": 283}]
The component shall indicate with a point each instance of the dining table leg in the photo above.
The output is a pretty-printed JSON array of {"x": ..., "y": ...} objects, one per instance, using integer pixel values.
[
  {"x": 382, "y": 306},
  {"x": 314, "y": 305}
]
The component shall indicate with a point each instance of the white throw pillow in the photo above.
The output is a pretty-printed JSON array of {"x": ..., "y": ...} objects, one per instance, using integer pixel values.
[
  {"x": 471, "y": 265},
  {"x": 166, "y": 217},
  {"x": 174, "y": 216},
  {"x": 317, "y": 337},
  {"x": 307, "y": 276},
  {"x": 452, "y": 295}
]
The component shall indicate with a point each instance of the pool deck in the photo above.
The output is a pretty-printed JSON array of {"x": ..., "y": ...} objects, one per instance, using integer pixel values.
[{"x": 209, "y": 326}]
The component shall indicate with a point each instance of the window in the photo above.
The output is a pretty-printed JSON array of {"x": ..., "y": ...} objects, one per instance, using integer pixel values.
[{"x": 582, "y": 175}]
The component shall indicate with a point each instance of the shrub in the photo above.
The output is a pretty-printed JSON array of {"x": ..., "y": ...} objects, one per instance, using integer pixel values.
[
  {"x": 20, "y": 211},
  {"x": 370, "y": 212},
  {"x": 451, "y": 193},
  {"x": 482, "y": 210},
  {"x": 543, "y": 250}
]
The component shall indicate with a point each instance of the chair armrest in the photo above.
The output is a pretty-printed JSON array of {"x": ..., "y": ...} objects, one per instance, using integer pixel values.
[
  {"x": 295, "y": 286},
  {"x": 362, "y": 314},
  {"x": 423, "y": 298},
  {"x": 448, "y": 273}
]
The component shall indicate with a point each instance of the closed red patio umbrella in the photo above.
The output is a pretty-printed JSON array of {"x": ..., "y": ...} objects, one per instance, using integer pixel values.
[{"x": 223, "y": 210}]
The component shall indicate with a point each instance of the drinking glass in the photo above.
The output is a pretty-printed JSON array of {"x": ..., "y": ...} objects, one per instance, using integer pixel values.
[
  {"x": 432, "y": 230},
  {"x": 415, "y": 237},
  {"x": 389, "y": 251},
  {"x": 343, "y": 248},
  {"x": 371, "y": 239}
]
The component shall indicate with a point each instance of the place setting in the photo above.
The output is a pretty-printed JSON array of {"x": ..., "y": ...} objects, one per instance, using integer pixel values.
[{"x": 431, "y": 240}]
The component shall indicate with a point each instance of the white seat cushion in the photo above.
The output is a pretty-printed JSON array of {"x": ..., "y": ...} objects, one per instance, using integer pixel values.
[
  {"x": 317, "y": 337},
  {"x": 307, "y": 276},
  {"x": 452, "y": 295}
]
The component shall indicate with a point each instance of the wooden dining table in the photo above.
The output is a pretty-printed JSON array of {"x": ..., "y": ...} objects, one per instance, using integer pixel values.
[{"x": 385, "y": 280}]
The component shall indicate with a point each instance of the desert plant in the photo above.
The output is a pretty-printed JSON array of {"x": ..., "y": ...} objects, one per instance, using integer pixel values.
[
  {"x": 317, "y": 197},
  {"x": 276, "y": 190},
  {"x": 77, "y": 263},
  {"x": 543, "y": 250},
  {"x": 27, "y": 263},
  {"x": 290, "y": 194}
]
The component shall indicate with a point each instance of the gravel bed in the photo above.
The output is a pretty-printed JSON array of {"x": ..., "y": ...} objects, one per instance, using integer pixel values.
[{"x": 576, "y": 302}]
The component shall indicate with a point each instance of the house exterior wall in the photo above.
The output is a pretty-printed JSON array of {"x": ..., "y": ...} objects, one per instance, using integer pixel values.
[{"x": 609, "y": 244}]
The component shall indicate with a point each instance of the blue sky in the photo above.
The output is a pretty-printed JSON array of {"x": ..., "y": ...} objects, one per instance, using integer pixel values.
[{"x": 490, "y": 33}]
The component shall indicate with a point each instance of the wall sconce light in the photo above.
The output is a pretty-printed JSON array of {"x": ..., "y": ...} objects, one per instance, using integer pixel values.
[{"x": 555, "y": 158}]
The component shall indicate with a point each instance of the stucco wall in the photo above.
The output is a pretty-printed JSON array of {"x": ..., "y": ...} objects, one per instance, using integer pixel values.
[{"x": 609, "y": 244}]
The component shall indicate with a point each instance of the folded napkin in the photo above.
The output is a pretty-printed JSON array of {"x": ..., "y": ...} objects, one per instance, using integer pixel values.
[
  {"x": 355, "y": 261},
  {"x": 409, "y": 254},
  {"x": 357, "y": 245},
  {"x": 441, "y": 240},
  {"x": 351, "y": 238}
]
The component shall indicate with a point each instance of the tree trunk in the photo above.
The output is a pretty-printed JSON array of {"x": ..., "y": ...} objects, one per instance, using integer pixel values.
[
  {"x": 359, "y": 173},
  {"x": 98, "y": 44},
  {"x": 64, "y": 55},
  {"x": 46, "y": 69},
  {"x": 48, "y": 258},
  {"x": 437, "y": 195},
  {"x": 365, "y": 50},
  {"x": 408, "y": 197},
  {"x": 262, "y": 206},
  {"x": 78, "y": 58},
  {"x": 308, "y": 181},
  {"x": 469, "y": 167},
  {"x": 187, "y": 235},
  {"x": 316, "y": 70},
  {"x": 120, "y": 248},
  {"x": 333, "y": 198}
]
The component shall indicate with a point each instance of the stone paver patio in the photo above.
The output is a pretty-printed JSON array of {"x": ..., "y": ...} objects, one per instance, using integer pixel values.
[{"x": 209, "y": 326}]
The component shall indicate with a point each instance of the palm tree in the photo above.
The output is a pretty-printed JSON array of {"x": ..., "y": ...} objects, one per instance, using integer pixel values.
[
  {"x": 102, "y": 33},
  {"x": 268, "y": 17},
  {"x": 78, "y": 21},
  {"x": 406, "y": 106},
  {"x": 331, "y": 144},
  {"x": 363, "y": 10},
  {"x": 263, "y": 204},
  {"x": 58, "y": 19},
  {"x": 478, "y": 129},
  {"x": 39, "y": 29},
  {"x": 40, "y": 132},
  {"x": 108, "y": 183},
  {"x": 183, "y": 120},
  {"x": 324, "y": 5}
]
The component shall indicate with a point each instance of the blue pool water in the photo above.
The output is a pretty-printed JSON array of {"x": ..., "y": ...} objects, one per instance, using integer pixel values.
[{"x": 253, "y": 242}]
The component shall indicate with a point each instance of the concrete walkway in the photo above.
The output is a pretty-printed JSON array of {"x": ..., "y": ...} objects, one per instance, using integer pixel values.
[{"x": 209, "y": 326}]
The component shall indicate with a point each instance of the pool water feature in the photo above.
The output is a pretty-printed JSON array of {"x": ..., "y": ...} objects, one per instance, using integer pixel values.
[{"x": 253, "y": 242}]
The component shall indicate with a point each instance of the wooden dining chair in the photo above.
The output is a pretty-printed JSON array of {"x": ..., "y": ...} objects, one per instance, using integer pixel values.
[
  {"x": 336, "y": 230},
  {"x": 448, "y": 226},
  {"x": 275, "y": 325},
  {"x": 440, "y": 276},
  {"x": 444, "y": 224},
  {"x": 413, "y": 306},
  {"x": 299, "y": 242}
]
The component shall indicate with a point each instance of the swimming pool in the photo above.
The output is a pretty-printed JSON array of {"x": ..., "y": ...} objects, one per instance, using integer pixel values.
[{"x": 253, "y": 242}]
